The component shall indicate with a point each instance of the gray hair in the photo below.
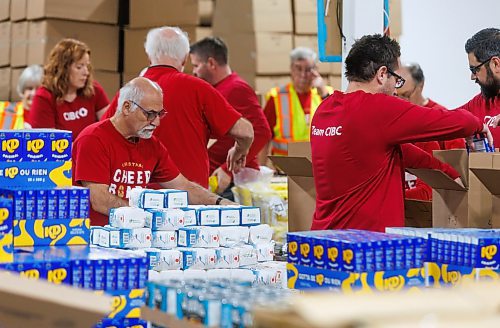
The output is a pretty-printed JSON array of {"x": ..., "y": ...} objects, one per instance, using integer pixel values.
[
  {"x": 31, "y": 75},
  {"x": 301, "y": 53},
  {"x": 416, "y": 72},
  {"x": 484, "y": 44},
  {"x": 167, "y": 41},
  {"x": 134, "y": 92}
]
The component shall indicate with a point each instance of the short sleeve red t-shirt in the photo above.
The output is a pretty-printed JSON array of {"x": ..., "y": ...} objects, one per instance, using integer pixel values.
[
  {"x": 243, "y": 98},
  {"x": 74, "y": 116},
  {"x": 196, "y": 111},
  {"x": 102, "y": 155},
  {"x": 485, "y": 111}
]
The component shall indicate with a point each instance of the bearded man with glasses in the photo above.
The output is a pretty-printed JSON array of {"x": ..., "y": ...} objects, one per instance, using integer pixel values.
[
  {"x": 483, "y": 51},
  {"x": 115, "y": 155},
  {"x": 361, "y": 141}
]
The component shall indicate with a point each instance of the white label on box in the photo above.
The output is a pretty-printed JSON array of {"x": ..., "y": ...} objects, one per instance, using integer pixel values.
[
  {"x": 209, "y": 217},
  {"x": 177, "y": 199},
  {"x": 229, "y": 217},
  {"x": 182, "y": 238},
  {"x": 189, "y": 217},
  {"x": 250, "y": 216},
  {"x": 152, "y": 200}
]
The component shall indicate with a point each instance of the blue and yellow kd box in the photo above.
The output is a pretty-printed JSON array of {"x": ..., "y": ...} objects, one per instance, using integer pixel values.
[
  {"x": 51, "y": 232},
  {"x": 6, "y": 232},
  {"x": 127, "y": 303},
  {"x": 438, "y": 275},
  {"x": 35, "y": 175}
]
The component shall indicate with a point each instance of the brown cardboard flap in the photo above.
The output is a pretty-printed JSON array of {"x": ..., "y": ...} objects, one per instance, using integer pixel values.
[
  {"x": 418, "y": 213},
  {"x": 458, "y": 159},
  {"x": 293, "y": 166},
  {"x": 490, "y": 178},
  {"x": 36, "y": 303},
  {"x": 437, "y": 179},
  {"x": 301, "y": 149}
]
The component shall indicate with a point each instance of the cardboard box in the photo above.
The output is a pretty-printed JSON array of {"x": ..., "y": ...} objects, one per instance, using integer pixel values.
[
  {"x": 418, "y": 213},
  {"x": 5, "y": 83},
  {"x": 134, "y": 56},
  {"x": 305, "y": 19},
  {"x": 102, "y": 40},
  {"x": 206, "y": 12},
  {"x": 5, "y": 43},
  {"x": 263, "y": 84},
  {"x": 487, "y": 171},
  {"x": 395, "y": 21},
  {"x": 301, "y": 190},
  {"x": 454, "y": 206},
  {"x": 18, "y": 10},
  {"x": 97, "y": 11},
  {"x": 335, "y": 81},
  {"x": 14, "y": 78},
  {"x": 36, "y": 303},
  {"x": 252, "y": 16},
  {"x": 259, "y": 53},
  {"x": 4, "y": 9},
  {"x": 149, "y": 13},
  {"x": 110, "y": 81},
  {"x": 19, "y": 44}
]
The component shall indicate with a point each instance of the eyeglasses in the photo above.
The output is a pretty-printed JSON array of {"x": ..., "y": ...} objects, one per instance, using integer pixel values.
[
  {"x": 475, "y": 69},
  {"x": 151, "y": 115},
  {"x": 307, "y": 70},
  {"x": 399, "y": 80}
]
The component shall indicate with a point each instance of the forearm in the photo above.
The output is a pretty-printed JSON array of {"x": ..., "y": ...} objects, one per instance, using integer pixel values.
[
  {"x": 242, "y": 132},
  {"x": 197, "y": 195},
  {"x": 101, "y": 199}
]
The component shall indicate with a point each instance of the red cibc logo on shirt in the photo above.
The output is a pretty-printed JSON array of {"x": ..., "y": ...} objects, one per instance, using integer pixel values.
[
  {"x": 128, "y": 176},
  {"x": 76, "y": 115},
  {"x": 330, "y": 131}
]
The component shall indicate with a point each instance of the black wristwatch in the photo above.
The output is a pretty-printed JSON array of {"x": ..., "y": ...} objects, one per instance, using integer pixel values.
[{"x": 219, "y": 199}]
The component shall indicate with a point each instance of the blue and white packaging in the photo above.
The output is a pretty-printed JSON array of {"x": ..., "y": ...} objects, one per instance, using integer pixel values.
[
  {"x": 175, "y": 198},
  {"x": 250, "y": 215},
  {"x": 230, "y": 215},
  {"x": 62, "y": 203},
  {"x": 189, "y": 216},
  {"x": 30, "y": 201},
  {"x": 207, "y": 216},
  {"x": 84, "y": 203},
  {"x": 60, "y": 145},
  {"x": 169, "y": 259},
  {"x": 227, "y": 258},
  {"x": 131, "y": 238},
  {"x": 204, "y": 237},
  {"x": 37, "y": 147},
  {"x": 198, "y": 258},
  {"x": 261, "y": 233},
  {"x": 74, "y": 203},
  {"x": 233, "y": 236},
  {"x": 41, "y": 204},
  {"x": 146, "y": 198},
  {"x": 248, "y": 255},
  {"x": 165, "y": 219},
  {"x": 11, "y": 146},
  {"x": 265, "y": 251},
  {"x": 128, "y": 217},
  {"x": 52, "y": 204},
  {"x": 164, "y": 239},
  {"x": 18, "y": 198}
]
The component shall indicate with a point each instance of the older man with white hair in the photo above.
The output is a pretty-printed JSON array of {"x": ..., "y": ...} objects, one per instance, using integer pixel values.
[
  {"x": 115, "y": 155},
  {"x": 196, "y": 111}
]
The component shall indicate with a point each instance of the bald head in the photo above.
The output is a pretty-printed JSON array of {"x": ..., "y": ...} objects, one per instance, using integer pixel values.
[
  {"x": 167, "y": 44},
  {"x": 413, "y": 88},
  {"x": 138, "y": 88}
]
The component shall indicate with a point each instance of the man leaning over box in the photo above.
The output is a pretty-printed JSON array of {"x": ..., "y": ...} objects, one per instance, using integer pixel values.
[
  {"x": 115, "y": 155},
  {"x": 358, "y": 137}
]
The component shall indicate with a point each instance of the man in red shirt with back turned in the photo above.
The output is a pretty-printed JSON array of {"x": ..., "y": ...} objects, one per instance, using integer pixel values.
[
  {"x": 209, "y": 58},
  {"x": 195, "y": 109},
  {"x": 360, "y": 141}
]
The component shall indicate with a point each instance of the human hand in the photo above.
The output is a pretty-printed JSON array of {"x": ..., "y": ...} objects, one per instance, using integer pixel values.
[
  {"x": 236, "y": 159},
  {"x": 486, "y": 132},
  {"x": 223, "y": 180}
]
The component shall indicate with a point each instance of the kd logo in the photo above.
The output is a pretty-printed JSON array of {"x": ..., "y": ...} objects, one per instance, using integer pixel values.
[
  {"x": 11, "y": 172},
  {"x": 488, "y": 252},
  {"x": 57, "y": 276},
  {"x": 394, "y": 283},
  {"x": 452, "y": 277},
  {"x": 31, "y": 274},
  {"x": 348, "y": 255},
  {"x": 292, "y": 247},
  {"x": 10, "y": 145},
  {"x": 305, "y": 249},
  {"x": 60, "y": 145},
  {"x": 320, "y": 279},
  {"x": 333, "y": 253},
  {"x": 52, "y": 232},
  {"x": 35, "y": 145},
  {"x": 318, "y": 251},
  {"x": 4, "y": 214}
]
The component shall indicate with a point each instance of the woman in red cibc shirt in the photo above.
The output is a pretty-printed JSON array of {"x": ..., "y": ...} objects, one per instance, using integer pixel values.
[{"x": 69, "y": 98}]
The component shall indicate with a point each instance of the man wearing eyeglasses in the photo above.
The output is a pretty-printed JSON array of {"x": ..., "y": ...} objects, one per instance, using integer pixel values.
[
  {"x": 115, "y": 155},
  {"x": 483, "y": 51},
  {"x": 360, "y": 141},
  {"x": 289, "y": 108}
]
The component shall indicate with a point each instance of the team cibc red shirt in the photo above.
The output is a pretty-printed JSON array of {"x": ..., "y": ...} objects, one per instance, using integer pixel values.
[
  {"x": 196, "y": 111},
  {"x": 102, "y": 155},
  {"x": 243, "y": 98},
  {"x": 358, "y": 160},
  {"x": 485, "y": 111},
  {"x": 74, "y": 116}
]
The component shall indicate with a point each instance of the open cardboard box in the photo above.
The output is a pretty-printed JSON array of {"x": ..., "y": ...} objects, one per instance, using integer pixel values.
[
  {"x": 455, "y": 206},
  {"x": 36, "y": 303},
  {"x": 301, "y": 191}
]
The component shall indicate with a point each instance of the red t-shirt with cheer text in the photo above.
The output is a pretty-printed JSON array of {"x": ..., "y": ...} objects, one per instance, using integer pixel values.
[
  {"x": 74, "y": 116},
  {"x": 485, "y": 111},
  {"x": 243, "y": 98},
  {"x": 102, "y": 155},
  {"x": 195, "y": 111},
  {"x": 358, "y": 160}
]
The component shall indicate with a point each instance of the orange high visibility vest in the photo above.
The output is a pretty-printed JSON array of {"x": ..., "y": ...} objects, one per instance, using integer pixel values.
[
  {"x": 11, "y": 115},
  {"x": 291, "y": 123}
]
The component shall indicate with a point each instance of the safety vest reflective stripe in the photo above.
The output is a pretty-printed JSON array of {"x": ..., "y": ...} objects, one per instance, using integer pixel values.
[
  {"x": 19, "y": 119},
  {"x": 286, "y": 114},
  {"x": 11, "y": 115}
]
